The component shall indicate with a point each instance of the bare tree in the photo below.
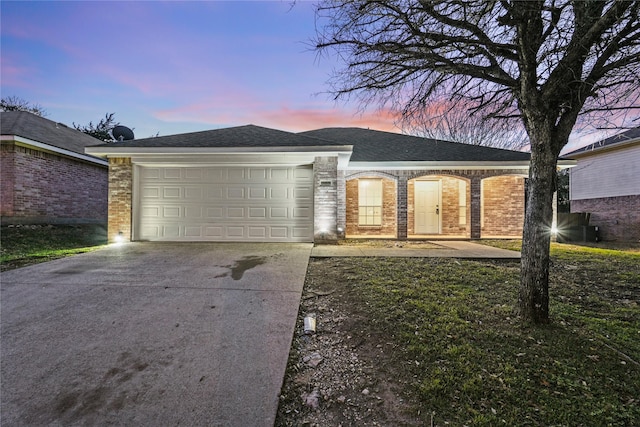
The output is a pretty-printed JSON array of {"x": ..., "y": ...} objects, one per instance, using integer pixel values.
[
  {"x": 543, "y": 63},
  {"x": 14, "y": 103},
  {"x": 448, "y": 121}
]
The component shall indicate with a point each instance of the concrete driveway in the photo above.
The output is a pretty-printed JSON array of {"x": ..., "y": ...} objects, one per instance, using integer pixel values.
[{"x": 150, "y": 334}]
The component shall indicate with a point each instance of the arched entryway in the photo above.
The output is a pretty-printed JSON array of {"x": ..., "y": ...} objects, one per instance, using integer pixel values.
[{"x": 438, "y": 206}]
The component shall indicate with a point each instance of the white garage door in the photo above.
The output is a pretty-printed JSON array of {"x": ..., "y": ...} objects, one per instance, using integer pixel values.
[{"x": 253, "y": 204}]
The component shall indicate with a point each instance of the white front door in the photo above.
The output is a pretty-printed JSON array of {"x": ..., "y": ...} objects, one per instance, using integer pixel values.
[{"x": 427, "y": 207}]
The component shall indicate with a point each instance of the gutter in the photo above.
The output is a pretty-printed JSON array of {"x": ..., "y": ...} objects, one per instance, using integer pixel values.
[{"x": 28, "y": 143}]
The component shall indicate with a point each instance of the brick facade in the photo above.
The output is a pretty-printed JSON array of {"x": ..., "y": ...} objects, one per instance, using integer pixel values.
[
  {"x": 503, "y": 206},
  {"x": 502, "y": 209},
  {"x": 120, "y": 198},
  {"x": 618, "y": 218},
  {"x": 388, "y": 228},
  {"x": 325, "y": 199},
  {"x": 336, "y": 202},
  {"x": 43, "y": 187}
]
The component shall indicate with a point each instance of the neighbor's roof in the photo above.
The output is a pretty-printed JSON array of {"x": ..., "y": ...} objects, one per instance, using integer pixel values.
[
  {"x": 35, "y": 128},
  {"x": 249, "y": 136},
  {"x": 628, "y": 137},
  {"x": 378, "y": 146}
]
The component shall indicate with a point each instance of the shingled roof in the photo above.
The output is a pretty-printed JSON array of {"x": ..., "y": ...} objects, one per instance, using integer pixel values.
[
  {"x": 379, "y": 146},
  {"x": 368, "y": 145},
  {"x": 35, "y": 128},
  {"x": 248, "y": 136}
]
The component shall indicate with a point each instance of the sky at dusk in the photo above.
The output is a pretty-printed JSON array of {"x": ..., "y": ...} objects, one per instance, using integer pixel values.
[{"x": 173, "y": 67}]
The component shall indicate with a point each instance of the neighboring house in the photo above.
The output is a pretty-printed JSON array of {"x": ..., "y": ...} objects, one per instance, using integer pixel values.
[
  {"x": 251, "y": 183},
  {"x": 46, "y": 175},
  {"x": 606, "y": 183}
]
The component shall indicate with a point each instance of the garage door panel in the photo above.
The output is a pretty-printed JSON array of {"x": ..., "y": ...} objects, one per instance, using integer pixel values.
[
  {"x": 151, "y": 212},
  {"x": 150, "y": 173},
  {"x": 172, "y": 173},
  {"x": 215, "y": 213},
  {"x": 171, "y": 212},
  {"x": 193, "y": 173},
  {"x": 235, "y": 193},
  {"x": 170, "y": 231},
  {"x": 258, "y": 213},
  {"x": 259, "y": 193},
  {"x": 303, "y": 193},
  {"x": 218, "y": 204},
  {"x": 193, "y": 193},
  {"x": 171, "y": 192},
  {"x": 213, "y": 232}
]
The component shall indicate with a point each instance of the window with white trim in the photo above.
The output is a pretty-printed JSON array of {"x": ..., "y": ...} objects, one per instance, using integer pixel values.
[
  {"x": 462, "y": 203},
  {"x": 370, "y": 202}
]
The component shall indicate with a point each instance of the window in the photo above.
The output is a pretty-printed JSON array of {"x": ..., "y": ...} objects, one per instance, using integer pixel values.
[
  {"x": 462, "y": 203},
  {"x": 370, "y": 202}
]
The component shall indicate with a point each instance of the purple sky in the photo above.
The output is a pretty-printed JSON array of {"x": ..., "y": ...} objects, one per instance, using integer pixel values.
[{"x": 173, "y": 67}]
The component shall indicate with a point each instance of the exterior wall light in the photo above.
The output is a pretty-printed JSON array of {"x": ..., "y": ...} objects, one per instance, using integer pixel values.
[{"x": 119, "y": 238}]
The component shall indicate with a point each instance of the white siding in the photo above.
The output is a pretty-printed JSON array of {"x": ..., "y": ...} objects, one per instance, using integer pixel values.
[{"x": 606, "y": 174}]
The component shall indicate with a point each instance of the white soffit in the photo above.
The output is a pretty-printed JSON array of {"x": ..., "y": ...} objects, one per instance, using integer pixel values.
[{"x": 524, "y": 165}]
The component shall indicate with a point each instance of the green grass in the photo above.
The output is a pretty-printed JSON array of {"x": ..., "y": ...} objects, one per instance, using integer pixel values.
[
  {"x": 474, "y": 363},
  {"x": 30, "y": 244}
]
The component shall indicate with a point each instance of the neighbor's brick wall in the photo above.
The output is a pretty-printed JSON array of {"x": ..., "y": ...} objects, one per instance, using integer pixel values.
[
  {"x": 503, "y": 206},
  {"x": 41, "y": 187},
  {"x": 120, "y": 198},
  {"x": 7, "y": 179},
  {"x": 617, "y": 217},
  {"x": 389, "y": 212}
]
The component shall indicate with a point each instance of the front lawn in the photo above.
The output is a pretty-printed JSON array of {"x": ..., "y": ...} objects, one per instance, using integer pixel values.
[
  {"x": 24, "y": 245},
  {"x": 443, "y": 335}
]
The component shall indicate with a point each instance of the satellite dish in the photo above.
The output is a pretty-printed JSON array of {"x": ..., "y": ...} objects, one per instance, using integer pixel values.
[{"x": 122, "y": 133}]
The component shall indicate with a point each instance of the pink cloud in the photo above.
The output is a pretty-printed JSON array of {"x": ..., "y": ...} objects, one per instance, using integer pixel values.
[
  {"x": 241, "y": 110},
  {"x": 14, "y": 75},
  {"x": 312, "y": 118}
]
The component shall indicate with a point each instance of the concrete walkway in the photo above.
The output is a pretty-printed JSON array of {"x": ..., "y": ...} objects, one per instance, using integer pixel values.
[
  {"x": 444, "y": 249},
  {"x": 150, "y": 335}
]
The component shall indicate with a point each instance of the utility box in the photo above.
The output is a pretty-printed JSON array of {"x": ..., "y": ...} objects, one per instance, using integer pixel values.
[{"x": 574, "y": 227}]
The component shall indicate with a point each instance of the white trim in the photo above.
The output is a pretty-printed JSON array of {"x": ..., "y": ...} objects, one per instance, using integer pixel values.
[
  {"x": 104, "y": 151},
  {"x": 226, "y": 159},
  {"x": 25, "y": 142},
  {"x": 435, "y": 165}
]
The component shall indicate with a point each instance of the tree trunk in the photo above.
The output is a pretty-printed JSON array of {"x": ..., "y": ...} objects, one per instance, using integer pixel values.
[{"x": 536, "y": 238}]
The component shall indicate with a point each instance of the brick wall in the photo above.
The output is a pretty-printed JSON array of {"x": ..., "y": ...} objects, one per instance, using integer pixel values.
[
  {"x": 450, "y": 222},
  {"x": 389, "y": 212},
  {"x": 618, "y": 218},
  {"x": 41, "y": 187},
  {"x": 503, "y": 206},
  {"x": 7, "y": 179},
  {"x": 120, "y": 198},
  {"x": 325, "y": 199}
]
